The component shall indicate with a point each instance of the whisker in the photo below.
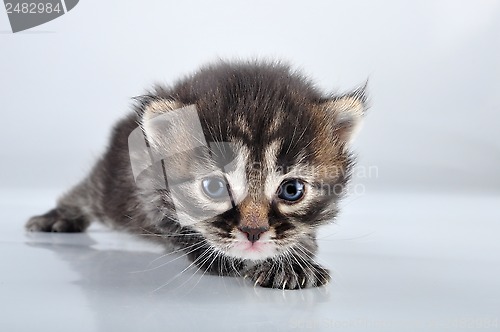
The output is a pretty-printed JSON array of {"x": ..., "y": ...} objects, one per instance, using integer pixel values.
[
  {"x": 205, "y": 271},
  {"x": 184, "y": 270},
  {"x": 200, "y": 265},
  {"x": 170, "y": 261}
]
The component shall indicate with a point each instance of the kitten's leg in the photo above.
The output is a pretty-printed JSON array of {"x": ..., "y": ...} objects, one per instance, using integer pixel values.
[
  {"x": 73, "y": 212},
  {"x": 291, "y": 271}
]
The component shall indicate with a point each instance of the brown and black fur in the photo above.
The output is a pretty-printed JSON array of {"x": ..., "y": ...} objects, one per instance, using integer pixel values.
[{"x": 256, "y": 104}]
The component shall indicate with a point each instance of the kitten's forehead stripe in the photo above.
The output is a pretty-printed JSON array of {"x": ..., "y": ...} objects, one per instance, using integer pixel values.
[
  {"x": 273, "y": 176},
  {"x": 237, "y": 178},
  {"x": 271, "y": 155},
  {"x": 242, "y": 124}
]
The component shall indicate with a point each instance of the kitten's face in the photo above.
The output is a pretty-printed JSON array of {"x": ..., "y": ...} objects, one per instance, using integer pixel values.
[
  {"x": 269, "y": 172},
  {"x": 260, "y": 205}
]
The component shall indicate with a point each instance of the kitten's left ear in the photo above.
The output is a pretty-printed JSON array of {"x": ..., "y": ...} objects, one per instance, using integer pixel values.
[{"x": 347, "y": 112}]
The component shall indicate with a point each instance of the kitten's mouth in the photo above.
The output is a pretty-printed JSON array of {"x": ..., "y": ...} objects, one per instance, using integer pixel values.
[
  {"x": 261, "y": 249},
  {"x": 258, "y": 246}
]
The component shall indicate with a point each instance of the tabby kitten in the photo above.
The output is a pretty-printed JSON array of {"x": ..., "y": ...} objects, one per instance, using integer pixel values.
[{"x": 236, "y": 165}]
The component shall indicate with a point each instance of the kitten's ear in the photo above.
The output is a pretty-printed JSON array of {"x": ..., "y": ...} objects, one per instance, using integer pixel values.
[
  {"x": 347, "y": 112},
  {"x": 152, "y": 108},
  {"x": 155, "y": 107}
]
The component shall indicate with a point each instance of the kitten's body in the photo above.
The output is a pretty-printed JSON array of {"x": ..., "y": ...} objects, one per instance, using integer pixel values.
[{"x": 281, "y": 129}]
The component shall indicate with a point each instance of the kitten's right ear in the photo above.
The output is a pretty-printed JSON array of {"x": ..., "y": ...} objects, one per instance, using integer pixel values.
[
  {"x": 347, "y": 112},
  {"x": 152, "y": 108}
]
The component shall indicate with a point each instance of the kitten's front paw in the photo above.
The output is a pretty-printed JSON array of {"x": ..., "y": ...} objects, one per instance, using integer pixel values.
[
  {"x": 280, "y": 275},
  {"x": 53, "y": 221}
]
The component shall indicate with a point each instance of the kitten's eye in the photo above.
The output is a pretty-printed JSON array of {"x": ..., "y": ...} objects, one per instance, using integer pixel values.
[
  {"x": 291, "y": 190},
  {"x": 214, "y": 187}
]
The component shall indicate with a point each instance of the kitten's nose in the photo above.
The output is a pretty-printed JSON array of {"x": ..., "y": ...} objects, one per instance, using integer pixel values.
[{"x": 252, "y": 233}]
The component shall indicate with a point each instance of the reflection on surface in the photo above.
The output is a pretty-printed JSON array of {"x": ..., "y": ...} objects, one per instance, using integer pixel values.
[
  {"x": 148, "y": 288},
  {"x": 394, "y": 269}
]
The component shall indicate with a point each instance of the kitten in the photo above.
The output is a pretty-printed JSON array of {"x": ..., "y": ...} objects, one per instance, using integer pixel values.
[{"x": 236, "y": 165}]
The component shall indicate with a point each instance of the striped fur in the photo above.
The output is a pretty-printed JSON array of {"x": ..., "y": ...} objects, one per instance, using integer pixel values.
[{"x": 263, "y": 123}]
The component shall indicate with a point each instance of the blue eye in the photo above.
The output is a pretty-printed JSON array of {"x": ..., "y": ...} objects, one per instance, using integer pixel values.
[
  {"x": 214, "y": 187},
  {"x": 291, "y": 190}
]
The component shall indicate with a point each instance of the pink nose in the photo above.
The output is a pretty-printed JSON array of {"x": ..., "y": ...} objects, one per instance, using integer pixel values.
[{"x": 253, "y": 234}]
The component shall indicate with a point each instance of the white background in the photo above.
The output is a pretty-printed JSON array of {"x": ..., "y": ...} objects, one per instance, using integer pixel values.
[
  {"x": 433, "y": 74},
  {"x": 420, "y": 243}
]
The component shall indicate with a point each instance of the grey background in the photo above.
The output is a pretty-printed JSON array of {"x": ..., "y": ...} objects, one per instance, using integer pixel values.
[{"x": 433, "y": 67}]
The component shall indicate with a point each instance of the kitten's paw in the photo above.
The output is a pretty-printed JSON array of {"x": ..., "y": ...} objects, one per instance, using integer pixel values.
[
  {"x": 275, "y": 275},
  {"x": 54, "y": 221}
]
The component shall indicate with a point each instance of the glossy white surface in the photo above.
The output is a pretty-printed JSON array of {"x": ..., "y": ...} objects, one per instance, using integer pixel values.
[{"x": 400, "y": 263}]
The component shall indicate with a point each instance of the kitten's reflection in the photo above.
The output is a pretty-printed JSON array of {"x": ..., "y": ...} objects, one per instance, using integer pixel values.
[{"x": 134, "y": 288}]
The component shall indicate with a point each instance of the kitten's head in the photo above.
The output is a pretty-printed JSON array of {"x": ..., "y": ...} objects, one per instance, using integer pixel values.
[{"x": 255, "y": 157}]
